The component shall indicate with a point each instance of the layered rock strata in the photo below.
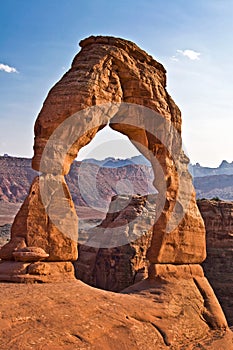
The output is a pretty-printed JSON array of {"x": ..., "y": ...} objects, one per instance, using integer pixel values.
[
  {"x": 130, "y": 219},
  {"x": 218, "y": 267},
  {"x": 111, "y": 81}
]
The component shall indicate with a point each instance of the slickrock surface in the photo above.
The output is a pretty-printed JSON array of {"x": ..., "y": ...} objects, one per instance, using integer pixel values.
[
  {"x": 66, "y": 316},
  {"x": 218, "y": 267}
]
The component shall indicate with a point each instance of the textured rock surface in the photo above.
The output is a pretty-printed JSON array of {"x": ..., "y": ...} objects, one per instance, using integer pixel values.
[
  {"x": 218, "y": 267},
  {"x": 38, "y": 271},
  {"x": 123, "y": 265},
  {"x": 34, "y": 227},
  {"x": 111, "y": 70},
  {"x": 169, "y": 313},
  {"x": 175, "y": 307},
  {"x": 30, "y": 254}
]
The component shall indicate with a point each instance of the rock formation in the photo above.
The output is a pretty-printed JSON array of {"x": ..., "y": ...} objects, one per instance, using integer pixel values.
[
  {"x": 218, "y": 218},
  {"x": 112, "y": 81},
  {"x": 119, "y": 267},
  {"x": 117, "y": 76}
]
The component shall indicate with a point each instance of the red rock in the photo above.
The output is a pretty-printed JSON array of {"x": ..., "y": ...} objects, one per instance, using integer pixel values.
[
  {"x": 218, "y": 218},
  {"x": 113, "y": 75},
  {"x": 30, "y": 254},
  {"x": 176, "y": 303},
  {"x": 125, "y": 237}
]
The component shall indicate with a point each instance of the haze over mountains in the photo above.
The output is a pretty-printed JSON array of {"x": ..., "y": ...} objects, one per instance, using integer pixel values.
[
  {"x": 224, "y": 168},
  {"x": 101, "y": 179}
]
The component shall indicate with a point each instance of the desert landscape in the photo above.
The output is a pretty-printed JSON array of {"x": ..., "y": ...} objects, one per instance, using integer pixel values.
[{"x": 137, "y": 276}]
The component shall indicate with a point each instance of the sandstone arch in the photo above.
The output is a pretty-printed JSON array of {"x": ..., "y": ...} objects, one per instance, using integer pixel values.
[{"x": 108, "y": 72}]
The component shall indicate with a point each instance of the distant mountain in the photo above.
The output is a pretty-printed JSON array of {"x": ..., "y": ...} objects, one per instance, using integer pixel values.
[
  {"x": 224, "y": 168},
  {"x": 111, "y": 162},
  {"x": 220, "y": 186},
  {"x": 213, "y": 182},
  {"x": 93, "y": 182},
  {"x": 90, "y": 182},
  {"x": 16, "y": 176}
]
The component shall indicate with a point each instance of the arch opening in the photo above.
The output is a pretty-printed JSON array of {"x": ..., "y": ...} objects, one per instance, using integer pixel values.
[{"x": 113, "y": 194}]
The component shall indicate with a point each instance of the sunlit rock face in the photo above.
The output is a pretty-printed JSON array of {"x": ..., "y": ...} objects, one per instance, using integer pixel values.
[
  {"x": 113, "y": 71},
  {"x": 112, "y": 81}
]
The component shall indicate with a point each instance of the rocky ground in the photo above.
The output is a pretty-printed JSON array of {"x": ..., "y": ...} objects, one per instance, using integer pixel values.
[
  {"x": 73, "y": 315},
  {"x": 218, "y": 216}
]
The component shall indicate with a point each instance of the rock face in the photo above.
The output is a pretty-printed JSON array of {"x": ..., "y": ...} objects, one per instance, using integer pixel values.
[
  {"x": 127, "y": 87},
  {"x": 98, "y": 184},
  {"x": 38, "y": 271},
  {"x": 34, "y": 227},
  {"x": 30, "y": 254},
  {"x": 119, "y": 267},
  {"x": 114, "y": 82},
  {"x": 218, "y": 218}
]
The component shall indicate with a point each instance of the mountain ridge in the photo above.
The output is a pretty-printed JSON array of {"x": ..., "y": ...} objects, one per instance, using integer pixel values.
[{"x": 109, "y": 177}]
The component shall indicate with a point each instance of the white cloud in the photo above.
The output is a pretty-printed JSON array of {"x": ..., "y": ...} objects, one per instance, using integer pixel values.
[
  {"x": 7, "y": 69},
  {"x": 174, "y": 58},
  {"x": 191, "y": 54}
]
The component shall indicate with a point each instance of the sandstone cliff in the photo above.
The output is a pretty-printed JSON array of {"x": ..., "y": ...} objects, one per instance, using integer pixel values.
[{"x": 218, "y": 267}]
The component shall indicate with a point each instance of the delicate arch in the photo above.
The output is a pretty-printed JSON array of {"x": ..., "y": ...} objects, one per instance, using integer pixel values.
[{"x": 110, "y": 73}]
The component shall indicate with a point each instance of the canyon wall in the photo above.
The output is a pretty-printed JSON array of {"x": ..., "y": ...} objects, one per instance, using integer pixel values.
[{"x": 218, "y": 266}]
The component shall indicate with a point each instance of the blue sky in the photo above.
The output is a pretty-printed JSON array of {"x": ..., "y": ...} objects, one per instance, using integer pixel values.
[{"x": 192, "y": 39}]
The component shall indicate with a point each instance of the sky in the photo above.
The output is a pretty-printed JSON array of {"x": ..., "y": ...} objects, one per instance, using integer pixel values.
[{"x": 192, "y": 39}]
